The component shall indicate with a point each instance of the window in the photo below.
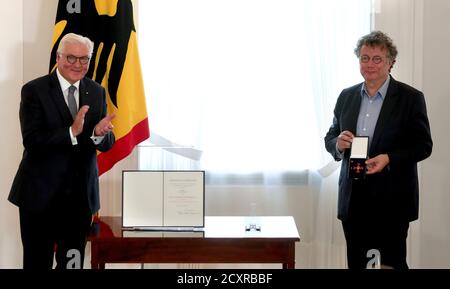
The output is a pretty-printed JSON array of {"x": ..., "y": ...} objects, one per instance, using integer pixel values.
[{"x": 245, "y": 85}]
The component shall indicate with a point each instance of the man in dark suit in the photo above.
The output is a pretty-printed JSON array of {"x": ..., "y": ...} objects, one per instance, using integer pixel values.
[
  {"x": 63, "y": 118},
  {"x": 376, "y": 210}
]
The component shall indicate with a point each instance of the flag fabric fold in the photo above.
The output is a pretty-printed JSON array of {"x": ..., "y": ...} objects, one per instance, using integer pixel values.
[{"x": 114, "y": 64}]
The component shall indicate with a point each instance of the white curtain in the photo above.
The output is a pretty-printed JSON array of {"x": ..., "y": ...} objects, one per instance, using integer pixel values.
[
  {"x": 245, "y": 90},
  {"x": 333, "y": 27}
]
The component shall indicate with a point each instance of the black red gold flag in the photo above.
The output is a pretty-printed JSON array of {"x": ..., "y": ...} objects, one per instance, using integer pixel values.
[{"x": 114, "y": 64}]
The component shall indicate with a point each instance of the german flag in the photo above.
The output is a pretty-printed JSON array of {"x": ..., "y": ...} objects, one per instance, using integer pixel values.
[{"x": 115, "y": 65}]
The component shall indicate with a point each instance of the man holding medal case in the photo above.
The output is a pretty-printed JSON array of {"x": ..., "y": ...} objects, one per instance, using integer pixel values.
[{"x": 380, "y": 131}]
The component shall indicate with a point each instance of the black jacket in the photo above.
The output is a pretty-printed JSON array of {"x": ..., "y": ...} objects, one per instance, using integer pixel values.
[
  {"x": 51, "y": 165},
  {"x": 403, "y": 132}
]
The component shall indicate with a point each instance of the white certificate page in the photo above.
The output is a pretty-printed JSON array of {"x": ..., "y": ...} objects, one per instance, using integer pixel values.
[
  {"x": 142, "y": 199},
  {"x": 360, "y": 146},
  {"x": 184, "y": 198}
]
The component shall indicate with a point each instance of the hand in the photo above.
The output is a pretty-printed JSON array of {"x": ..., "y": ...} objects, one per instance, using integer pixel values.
[
  {"x": 78, "y": 122},
  {"x": 377, "y": 164},
  {"x": 105, "y": 125},
  {"x": 344, "y": 140}
]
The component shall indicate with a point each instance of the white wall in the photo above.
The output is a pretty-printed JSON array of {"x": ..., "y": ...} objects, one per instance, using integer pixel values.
[
  {"x": 435, "y": 213},
  {"x": 397, "y": 18},
  {"x": 39, "y": 19},
  {"x": 421, "y": 31},
  {"x": 10, "y": 82}
]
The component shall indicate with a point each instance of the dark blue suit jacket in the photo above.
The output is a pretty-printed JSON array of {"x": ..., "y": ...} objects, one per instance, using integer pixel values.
[
  {"x": 403, "y": 132},
  {"x": 51, "y": 165}
]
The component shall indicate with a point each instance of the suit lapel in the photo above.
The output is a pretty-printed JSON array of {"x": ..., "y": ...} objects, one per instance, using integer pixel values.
[
  {"x": 82, "y": 92},
  {"x": 385, "y": 113},
  {"x": 353, "y": 111},
  {"x": 58, "y": 98},
  {"x": 85, "y": 97}
]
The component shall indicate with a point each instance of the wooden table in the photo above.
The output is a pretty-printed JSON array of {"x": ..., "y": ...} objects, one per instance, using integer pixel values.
[{"x": 222, "y": 240}]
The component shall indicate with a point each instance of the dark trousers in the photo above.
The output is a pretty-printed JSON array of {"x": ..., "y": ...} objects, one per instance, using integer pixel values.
[
  {"x": 389, "y": 238},
  {"x": 369, "y": 227},
  {"x": 59, "y": 231}
]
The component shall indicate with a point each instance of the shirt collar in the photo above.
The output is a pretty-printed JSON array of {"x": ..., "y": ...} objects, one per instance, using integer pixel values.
[
  {"x": 381, "y": 92},
  {"x": 64, "y": 83}
]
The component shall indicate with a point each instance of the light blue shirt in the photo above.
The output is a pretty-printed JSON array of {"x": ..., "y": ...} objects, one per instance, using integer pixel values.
[{"x": 370, "y": 110}]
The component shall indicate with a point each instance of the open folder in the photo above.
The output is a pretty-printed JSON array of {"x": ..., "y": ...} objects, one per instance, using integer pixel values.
[
  {"x": 163, "y": 200},
  {"x": 358, "y": 157}
]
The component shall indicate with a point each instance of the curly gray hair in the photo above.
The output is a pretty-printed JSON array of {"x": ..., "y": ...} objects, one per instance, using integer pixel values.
[{"x": 378, "y": 39}]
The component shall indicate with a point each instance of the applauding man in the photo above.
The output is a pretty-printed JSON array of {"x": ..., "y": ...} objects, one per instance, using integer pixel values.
[{"x": 63, "y": 118}]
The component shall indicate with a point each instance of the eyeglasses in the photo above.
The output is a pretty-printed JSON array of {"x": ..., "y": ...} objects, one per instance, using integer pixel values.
[
  {"x": 72, "y": 59},
  {"x": 366, "y": 58}
]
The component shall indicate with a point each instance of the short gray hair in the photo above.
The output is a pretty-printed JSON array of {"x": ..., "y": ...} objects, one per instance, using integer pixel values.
[
  {"x": 377, "y": 39},
  {"x": 73, "y": 38}
]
